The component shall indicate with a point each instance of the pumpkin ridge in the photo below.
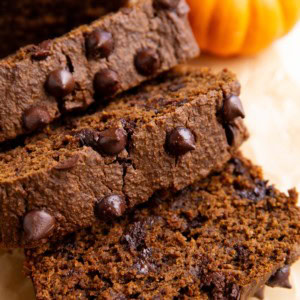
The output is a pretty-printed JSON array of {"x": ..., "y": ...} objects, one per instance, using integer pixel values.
[
  {"x": 229, "y": 30},
  {"x": 265, "y": 26},
  {"x": 291, "y": 13},
  {"x": 241, "y": 27}
]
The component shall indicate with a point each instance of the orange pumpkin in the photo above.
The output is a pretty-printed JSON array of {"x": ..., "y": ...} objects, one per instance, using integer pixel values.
[{"x": 241, "y": 27}]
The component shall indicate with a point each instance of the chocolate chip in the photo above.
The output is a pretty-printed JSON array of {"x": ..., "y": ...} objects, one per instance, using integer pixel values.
[
  {"x": 60, "y": 83},
  {"x": 106, "y": 83},
  {"x": 232, "y": 134},
  {"x": 112, "y": 141},
  {"x": 36, "y": 117},
  {"x": 281, "y": 278},
  {"x": 67, "y": 164},
  {"x": 233, "y": 109},
  {"x": 147, "y": 61},
  {"x": 38, "y": 224},
  {"x": 167, "y": 4},
  {"x": 41, "y": 51},
  {"x": 129, "y": 126},
  {"x": 111, "y": 206},
  {"x": 180, "y": 141},
  {"x": 99, "y": 43},
  {"x": 260, "y": 293}
]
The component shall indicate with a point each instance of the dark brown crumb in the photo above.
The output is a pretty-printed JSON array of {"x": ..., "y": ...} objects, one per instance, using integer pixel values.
[
  {"x": 208, "y": 241},
  {"x": 83, "y": 63},
  {"x": 34, "y": 21},
  {"x": 121, "y": 150}
]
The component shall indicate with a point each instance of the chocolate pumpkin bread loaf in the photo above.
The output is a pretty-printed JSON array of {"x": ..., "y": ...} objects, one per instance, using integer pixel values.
[
  {"x": 222, "y": 238},
  {"x": 92, "y": 62},
  {"x": 165, "y": 134}
]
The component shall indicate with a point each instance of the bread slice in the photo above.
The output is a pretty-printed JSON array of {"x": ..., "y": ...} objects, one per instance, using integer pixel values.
[
  {"x": 165, "y": 134},
  {"x": 91, "y": 63},
  {"x": 222, "y": 238}
]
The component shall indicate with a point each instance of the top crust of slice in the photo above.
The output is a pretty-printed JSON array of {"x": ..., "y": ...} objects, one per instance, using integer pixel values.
[{"x": 91, "y": 63}]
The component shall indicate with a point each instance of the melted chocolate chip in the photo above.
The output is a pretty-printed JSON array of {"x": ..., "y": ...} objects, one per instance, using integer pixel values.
[
  {"x": 256, "y": 194},
  {"x": 167, "y": 4},
  {"x": 260, "y": 294},
  {"x": 60, "y": 83},
  {"x": 281, "y": 278},
  {"x": 217, "y": 284},
  {"x": 147, "y": 61},
  {"x": 111, "y": 206},
  {"x": 38, "y": 224},
  {"x": 68, "y": 163},
  {"x": 112, "y": 141},
  {"x": 87, "y": 137},
  {"x": 233, "y": 109},
  {"x": 106, "y": 83},
  {"x": 36, "y": 117},
  {"x": 99, "y": 43},
  {"x": 239, "y": 168},
  {"x": 180, "y": 141},
  {"x": 41, "y": 51},
  {"x": 135, "y": 235},
  {"x": 242, "y": 253}
]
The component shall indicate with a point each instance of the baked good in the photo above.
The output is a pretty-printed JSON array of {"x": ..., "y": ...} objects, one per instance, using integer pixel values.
[
  {"x": 92, "y": 62},
  {"x": 33, "y": 21},
  {"x": 223, "y": 238},
  {"x": 163, "y": 135}
]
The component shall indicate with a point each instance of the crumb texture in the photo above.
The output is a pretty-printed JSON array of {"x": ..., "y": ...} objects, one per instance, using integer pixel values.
[
  {"x": 61, "y": 75},
  {"x": 34, "y": 21},
  {"x": 222, "y": 238},
  {"x": 124, "y": 150}
]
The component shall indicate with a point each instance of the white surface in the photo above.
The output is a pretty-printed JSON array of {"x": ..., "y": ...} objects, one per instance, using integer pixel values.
[{"x": 288, "y": 49}]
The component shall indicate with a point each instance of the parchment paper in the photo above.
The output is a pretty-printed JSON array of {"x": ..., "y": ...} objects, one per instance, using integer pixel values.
[{"x": 271, "y": 96}]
